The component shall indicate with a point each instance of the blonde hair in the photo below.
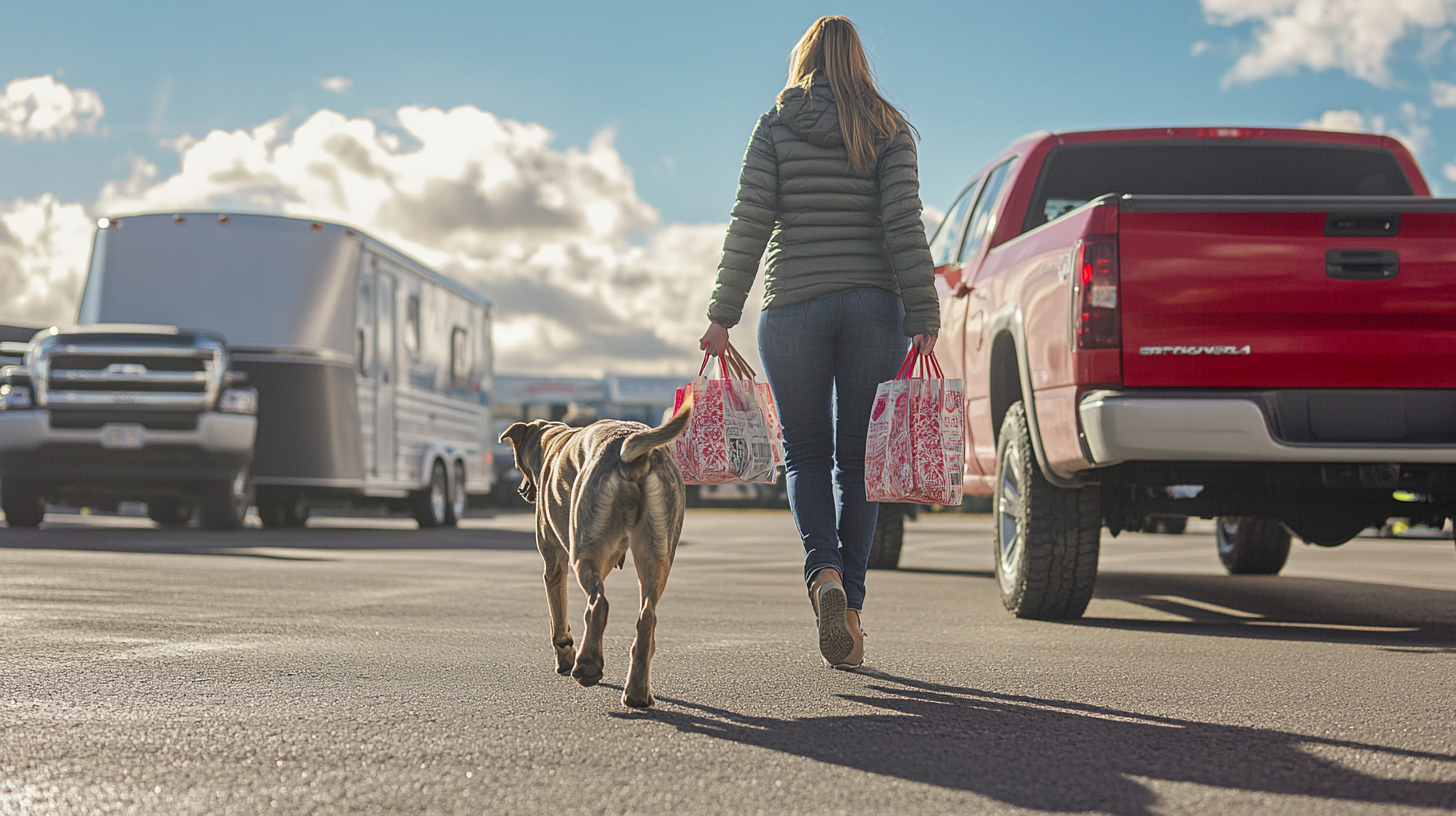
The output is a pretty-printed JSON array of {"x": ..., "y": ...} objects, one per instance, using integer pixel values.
[{"x": 831, "y": 48}]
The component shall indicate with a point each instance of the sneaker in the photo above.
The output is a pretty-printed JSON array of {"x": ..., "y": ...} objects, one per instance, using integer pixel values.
[{"x": 836, "y": 643}]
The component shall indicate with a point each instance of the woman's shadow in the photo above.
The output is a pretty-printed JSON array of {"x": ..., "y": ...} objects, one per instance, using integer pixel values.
[{"x": 1062, "y": 756}]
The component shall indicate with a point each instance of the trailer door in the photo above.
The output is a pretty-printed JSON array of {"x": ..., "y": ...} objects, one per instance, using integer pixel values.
[{"x": 384, "y": 430}]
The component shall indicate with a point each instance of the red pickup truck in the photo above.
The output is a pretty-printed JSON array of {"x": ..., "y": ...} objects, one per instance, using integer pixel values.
[{"x": 1257, "y": 325}]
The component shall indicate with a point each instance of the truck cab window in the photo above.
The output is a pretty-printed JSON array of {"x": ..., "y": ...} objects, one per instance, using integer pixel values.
[
  {"x": 460, "y": 356},
  {"x": 948, "y": 236},
  {"x": 983, "y": 218}
]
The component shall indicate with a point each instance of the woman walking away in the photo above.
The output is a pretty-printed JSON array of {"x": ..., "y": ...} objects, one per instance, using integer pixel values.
[{"x": 830, "y": 186}]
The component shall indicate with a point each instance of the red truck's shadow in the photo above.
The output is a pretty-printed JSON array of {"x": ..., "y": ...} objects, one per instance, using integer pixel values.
[
  {"x": 1280, "y": 608},
  {"x": 1063, "y": 756}
]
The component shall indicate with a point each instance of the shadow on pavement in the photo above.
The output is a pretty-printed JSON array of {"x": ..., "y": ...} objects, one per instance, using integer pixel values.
[
  {"x": 938, "y": 571},
  {"x": 1279, "y": 608},
  {"x": 1055, "y": 755},
  {"x": 239, "y": 542}
]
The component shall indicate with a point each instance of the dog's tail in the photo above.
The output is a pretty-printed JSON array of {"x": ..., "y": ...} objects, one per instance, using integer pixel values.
[{"x": 642, "y": 443}]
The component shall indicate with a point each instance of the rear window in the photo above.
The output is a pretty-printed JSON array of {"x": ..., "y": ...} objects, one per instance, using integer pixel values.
[{"x": 1076, "y": 174}]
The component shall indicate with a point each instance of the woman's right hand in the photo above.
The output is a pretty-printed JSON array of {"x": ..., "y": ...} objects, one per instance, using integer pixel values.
[{"x": 715, "y": 340}]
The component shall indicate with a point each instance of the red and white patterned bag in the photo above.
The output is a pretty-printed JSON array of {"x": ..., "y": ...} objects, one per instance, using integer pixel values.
[
  {"x": 734, "y": 436},
  {"x": 915, "y": 449}
]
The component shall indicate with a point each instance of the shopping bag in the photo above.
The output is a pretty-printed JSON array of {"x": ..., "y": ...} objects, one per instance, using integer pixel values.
[
  {"x": 734, "y": 435},
  {"x": 915, "y": 448}
]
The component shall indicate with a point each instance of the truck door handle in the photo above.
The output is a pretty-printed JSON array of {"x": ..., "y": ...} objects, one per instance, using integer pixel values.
[{"x": 1362, "y": 264}]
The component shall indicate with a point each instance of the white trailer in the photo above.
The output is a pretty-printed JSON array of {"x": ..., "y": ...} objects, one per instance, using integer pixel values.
[{"x": 373, "y": 372}]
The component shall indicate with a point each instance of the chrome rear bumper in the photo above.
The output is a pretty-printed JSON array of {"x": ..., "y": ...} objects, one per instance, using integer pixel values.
[{"x": 1121, "y": 427}]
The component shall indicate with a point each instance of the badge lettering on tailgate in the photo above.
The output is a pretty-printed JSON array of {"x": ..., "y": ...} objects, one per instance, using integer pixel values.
[{"x": 1192, "y": 351}]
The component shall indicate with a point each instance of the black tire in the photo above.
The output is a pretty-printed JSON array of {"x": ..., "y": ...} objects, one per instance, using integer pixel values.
[
  {"x": 1167, "y": 525},
  {"x": 455, "y": 508},
  {"x": 1046, "y": 537},
  {"x": 889, "y": 538},
  {"x": 282, "y": 509},
  {"x": 224, "y": 504},
  {"x": 1251, "y": 545},
  {"x": 430, "y": 505},
  {"x": 169, "y": 511},
  {"x": 23, "y": 503}
]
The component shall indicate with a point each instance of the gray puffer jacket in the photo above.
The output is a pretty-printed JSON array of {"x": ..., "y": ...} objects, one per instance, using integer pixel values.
[{"x": 827, "y": 227}]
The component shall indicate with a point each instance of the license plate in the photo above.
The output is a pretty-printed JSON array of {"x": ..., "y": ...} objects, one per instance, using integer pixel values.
[{"x": 121, "y": 437}]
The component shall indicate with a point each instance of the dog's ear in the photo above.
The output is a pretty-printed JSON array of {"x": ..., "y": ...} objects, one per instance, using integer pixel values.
[
  {"x": 514, "y": 432},
  {"x": 518, "y": 434}
]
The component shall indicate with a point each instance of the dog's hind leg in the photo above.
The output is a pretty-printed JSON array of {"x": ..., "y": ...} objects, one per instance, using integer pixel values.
[
  {"x": 590, "y": 662},
  {"x": 652, "y": 578},
  {"x": 556, "y": 572},
  {"x": 654, "y": 543}
]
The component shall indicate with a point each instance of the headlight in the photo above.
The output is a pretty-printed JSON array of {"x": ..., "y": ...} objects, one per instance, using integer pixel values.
[
  {"x": 15, "y": 398},
  {"x": 238, "y": 401}
]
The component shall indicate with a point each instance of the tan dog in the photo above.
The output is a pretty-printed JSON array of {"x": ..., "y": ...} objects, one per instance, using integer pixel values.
[{"x": 599, "y": 491}]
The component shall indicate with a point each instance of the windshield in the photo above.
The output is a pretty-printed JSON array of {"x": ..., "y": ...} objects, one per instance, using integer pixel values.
[{"x": 1076, "y": 174}]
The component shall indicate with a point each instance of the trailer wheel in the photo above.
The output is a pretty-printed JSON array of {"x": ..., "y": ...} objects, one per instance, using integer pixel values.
[
  {"x": 1251, "y": 545},
  {"x": 225, "y": 503},
  {"x": 1046, "y": 537},
  {"x": 889, "y": 537},
  {"x": 456, "y": 509},
  {"x": 169, "y": 512},
  {"x": 22, "y": 502},
  {"x": 282, "y": 509},
  {"x": 432, "y": 503}
]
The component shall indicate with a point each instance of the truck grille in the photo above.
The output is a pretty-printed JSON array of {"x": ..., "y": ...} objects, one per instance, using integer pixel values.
[{"x": 169, "y": 372}]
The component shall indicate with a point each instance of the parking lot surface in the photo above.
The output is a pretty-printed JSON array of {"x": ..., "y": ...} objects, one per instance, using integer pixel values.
[{"x": 362, "y": 666}]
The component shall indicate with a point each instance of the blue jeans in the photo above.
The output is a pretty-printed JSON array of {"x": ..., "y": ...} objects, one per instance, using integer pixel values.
[{"x": 824, "y": 359}]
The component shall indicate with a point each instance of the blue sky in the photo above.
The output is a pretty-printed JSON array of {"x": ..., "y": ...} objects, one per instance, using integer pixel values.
[{"x": 680, "y": 85}]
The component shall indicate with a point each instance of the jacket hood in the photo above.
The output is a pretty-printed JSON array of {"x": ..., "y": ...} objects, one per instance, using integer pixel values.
[{"x": 812, "y": 115}]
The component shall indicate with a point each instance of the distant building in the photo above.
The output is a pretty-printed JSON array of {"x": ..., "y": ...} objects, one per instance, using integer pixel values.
[{"x": 521, "y": 399}]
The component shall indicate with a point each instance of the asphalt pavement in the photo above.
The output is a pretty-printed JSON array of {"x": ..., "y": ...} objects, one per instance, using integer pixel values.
[{"x": 363, "y": 666}]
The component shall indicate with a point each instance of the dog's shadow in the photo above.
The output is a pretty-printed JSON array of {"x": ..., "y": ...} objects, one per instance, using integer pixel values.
[{"x": 1057, "y": 755}]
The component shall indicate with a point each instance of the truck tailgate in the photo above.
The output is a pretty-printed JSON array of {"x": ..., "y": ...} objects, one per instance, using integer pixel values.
[{"x": 1288, "y": 292}]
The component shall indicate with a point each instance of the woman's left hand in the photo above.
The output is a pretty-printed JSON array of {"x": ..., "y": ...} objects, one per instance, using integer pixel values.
[
  {"x": 925, "y": 343},
  {"x": 714, "y": 340}
]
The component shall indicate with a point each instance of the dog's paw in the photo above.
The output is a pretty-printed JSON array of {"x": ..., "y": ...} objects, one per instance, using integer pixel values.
[
  {"x": 633, "y": 700},
  {"x": 587, "y": 674}
]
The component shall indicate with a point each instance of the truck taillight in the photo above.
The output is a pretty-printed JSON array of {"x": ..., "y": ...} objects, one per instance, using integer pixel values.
[{"x": 1095, "y": 319}]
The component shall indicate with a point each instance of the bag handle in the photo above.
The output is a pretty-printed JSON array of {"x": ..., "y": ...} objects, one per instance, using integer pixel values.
[
  {"x": 920, "y": 366},
  {"x": 730, "y": 364}
]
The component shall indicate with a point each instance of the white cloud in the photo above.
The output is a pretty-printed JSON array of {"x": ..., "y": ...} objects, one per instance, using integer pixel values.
[
  {"x": 42, "y": 108},
  {"x": 584, "y": 277},
  {"x": 931, "y": 218},
  {"x": 1443, "y": 94},
  {"x": 1356, "y": 36},
  {"x": 1347, "y": 120},
  {"x": 337, "y": 84},
  {"x": 44, "y": 245},
  {"x": 1413, "y": 130}
]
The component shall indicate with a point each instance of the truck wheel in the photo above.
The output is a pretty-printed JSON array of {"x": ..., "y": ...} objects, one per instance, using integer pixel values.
[
  {"x": 225, "y": 504},
  {"x": 282, "y": 510},
  {"x": 1046, "y": 537},
  {"x": 432, "y": 503},
  {"x": 456, "y": 509},
  {"x": 1251, "y": 545},
  {"x": 889, "y": 538},
  {"x": 22, "y": 502},
  {"x": 169, "y": 512}
]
